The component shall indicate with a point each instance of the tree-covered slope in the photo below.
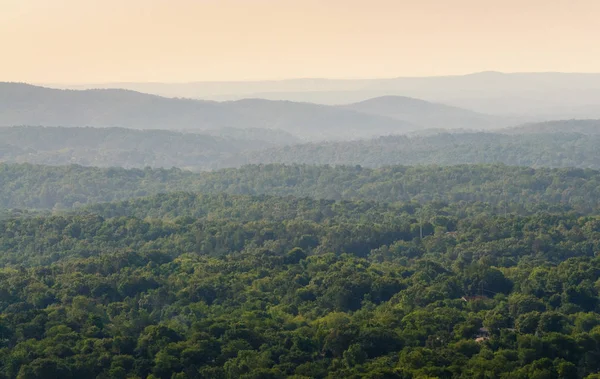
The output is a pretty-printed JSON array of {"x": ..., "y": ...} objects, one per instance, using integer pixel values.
[
  {"x": 45, "y": 187},
  {"x": 528, "y": 149},
  {"x": 589, "y": 127},
  {"x": 119, "y": 147},
  {"x": 552, "y": 144}
]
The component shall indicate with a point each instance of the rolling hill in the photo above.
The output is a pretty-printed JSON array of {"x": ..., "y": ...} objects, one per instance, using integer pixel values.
[
  {"x": 588, "y": 127},
  {"x": 425, "y": 113},
  {"x": 22, "y": 104},
  {"x": 569, "y": 143},
  {"x": 532, "y": 96},
  {"x": 45, "y": 187},
  {"x": 108, "y": 147},
  {"x": 561, "y": 145},
  {"x": 314, "y": 121}
]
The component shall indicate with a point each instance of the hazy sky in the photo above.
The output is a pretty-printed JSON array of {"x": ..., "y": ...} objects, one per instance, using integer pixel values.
[{"x": 74, "y": 41}]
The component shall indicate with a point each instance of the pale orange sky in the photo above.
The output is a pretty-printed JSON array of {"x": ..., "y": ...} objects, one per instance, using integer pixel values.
[{"x": 75, "y": 41}]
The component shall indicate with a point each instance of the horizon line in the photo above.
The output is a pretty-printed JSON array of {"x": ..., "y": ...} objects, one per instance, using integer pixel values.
[{"x": 291, "y": 79}]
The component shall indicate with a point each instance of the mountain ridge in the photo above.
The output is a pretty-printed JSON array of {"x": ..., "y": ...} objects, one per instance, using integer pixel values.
[
  {"x": 536, "y": 96},
  {"x": 427, "y": 113},
  {"x": 25, "y": 104}
]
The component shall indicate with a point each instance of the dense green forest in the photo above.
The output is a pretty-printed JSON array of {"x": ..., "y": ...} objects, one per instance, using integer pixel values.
[
  {"x": 276, "y": 271},
  {"x": 224, "y": 286},
  {"x": 47, "y": 187},
  {"x": 410, "y": 227}
]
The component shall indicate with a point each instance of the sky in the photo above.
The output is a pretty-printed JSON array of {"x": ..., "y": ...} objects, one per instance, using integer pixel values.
[{"x": 101, "y": 41}]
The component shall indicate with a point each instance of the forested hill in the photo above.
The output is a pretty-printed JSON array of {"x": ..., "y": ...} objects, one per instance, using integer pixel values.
[
  {"x": 46, "y": 187},
  {"x": 589, "y": 127},
  {"x": 570, "y": 143},
  {"x": 120, "y": 147},
  {"x": 524, "y": 149}
]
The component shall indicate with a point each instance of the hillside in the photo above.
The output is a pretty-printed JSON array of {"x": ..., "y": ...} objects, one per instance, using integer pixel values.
[
  {"x": 46, "y": 187},
  {"x": 270, "y": 136},
  {"x": 108, "y": 147},
  {"x": 428, "y": 114},
  {"x": 443, "y": 148},
  {"x": 535, "y": 96},
  {"x": 552, "y": 144},
  {"x": 313, "y": 121},
  {"x": 588, "y": 127},
  {"x": 22, "y": 104}
]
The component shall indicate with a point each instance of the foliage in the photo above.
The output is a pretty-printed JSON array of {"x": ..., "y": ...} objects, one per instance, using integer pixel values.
[
  {"x": 222, "y": 286},
  {"x": 505, "y": 189}
]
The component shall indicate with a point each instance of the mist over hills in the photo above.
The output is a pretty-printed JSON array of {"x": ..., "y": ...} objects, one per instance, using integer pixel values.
[
  {"x": 532, "y": 96},
  {"x": 570, "y": 143},
  {"x": 270, "y": 136},
  {"x": 434, "y": 115},
  {"x": 587, "y": 127},
  {"x": 315, "y": 121},
  {"x": 207, "y": 135},
  {"x": 22, "y": 104}
]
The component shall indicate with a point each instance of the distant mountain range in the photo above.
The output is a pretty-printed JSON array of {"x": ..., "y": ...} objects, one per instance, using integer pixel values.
[
  {"x": 22, "y": 104},
  {"x": 531, "y": 96}
]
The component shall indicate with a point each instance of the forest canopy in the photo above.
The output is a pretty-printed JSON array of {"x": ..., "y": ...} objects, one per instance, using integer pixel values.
[
  {"x": 233, "y": 286},
  {"x": 518, "y": 188},
  {"x": 299, "y": 271}
]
